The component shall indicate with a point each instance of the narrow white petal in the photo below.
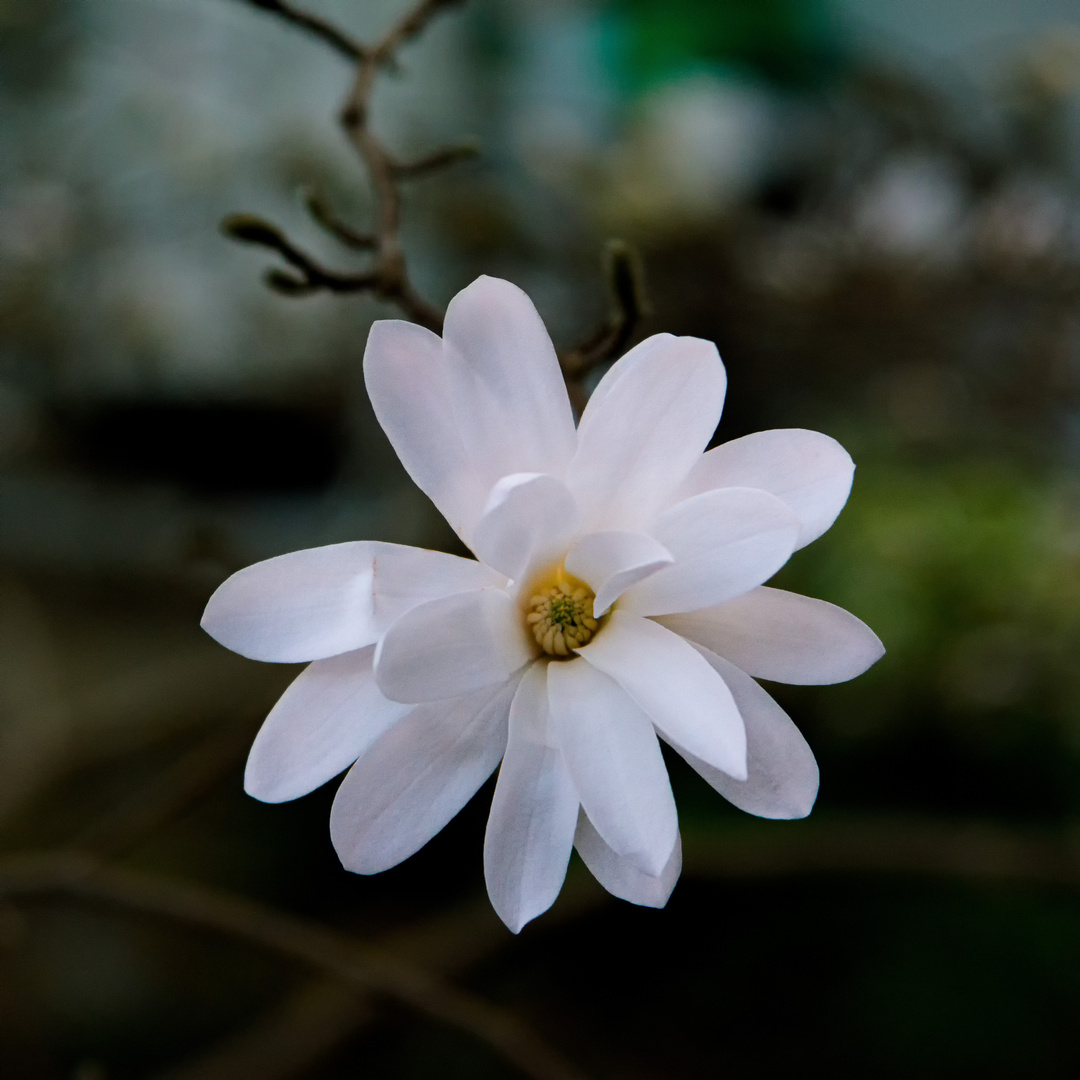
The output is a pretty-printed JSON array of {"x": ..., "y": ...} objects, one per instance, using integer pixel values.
[
  {"x": 323, "y": 601},
  {"x": 808, "y": 471},
  {"x": 679, "y": 692},
  {"x": 416, "y": 777},
  {"x": 529, "y": 518},
  {"x": 782, "y": 780},
  {"x": 610, "y": 562},
  {"x": 619, "y": 875},
  {"x": 724, "y": 542},
  {"x": 409, "y": 387},
  {"x": 530, "y": 830},
  {"x": 641, "y": 435},
  {"x": 330, "y": 714},
  {"x": 615, "y": 762},
  {"x": 507, "y": 390},
  {"x": 782, "y": 636},
  {"x": 627, "y": 362},
  {"x": 452, "y": 646}
]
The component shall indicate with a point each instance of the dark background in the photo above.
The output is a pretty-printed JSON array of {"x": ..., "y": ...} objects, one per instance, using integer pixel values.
[{"x": 872, "y": 208}]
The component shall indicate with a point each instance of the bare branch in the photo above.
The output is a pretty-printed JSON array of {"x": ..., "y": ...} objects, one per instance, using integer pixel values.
[
  {"x": 409, "y": 26},
  {"x": 320, "y": 210},
  {"x": 387, "y": 277},
  {"x": 622, "y": 268},
  {"x": 312, "y": 24},
  {"x": 440, "y": 159},
  {"x": 312, "y": 276},
  {"x": 72, "y": 874}
]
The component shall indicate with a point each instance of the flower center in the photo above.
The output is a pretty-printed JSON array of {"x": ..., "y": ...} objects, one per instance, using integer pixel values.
[{"x": 560, "y": 614}]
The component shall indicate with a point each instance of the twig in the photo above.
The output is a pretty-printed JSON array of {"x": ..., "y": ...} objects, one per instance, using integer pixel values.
[
  {"x": 73, "y": 874},
  {"x": 440, "y": 159},
  {"x": 312, "y": 277},
  {"x": 387, "y": 277},
  {"x": 622, "y": 268},
  {"x": 312, "y": 24},
  {"x": 320, "y": 210}
]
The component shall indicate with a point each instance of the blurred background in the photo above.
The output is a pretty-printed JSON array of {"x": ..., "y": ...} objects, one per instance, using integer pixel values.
[{"x": 872, "y": 206}]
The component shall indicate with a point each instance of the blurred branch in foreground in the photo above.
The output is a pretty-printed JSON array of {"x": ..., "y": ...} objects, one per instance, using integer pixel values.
[
  {"x": 316, "y": 1018},
  {"x": 369, "y": 968}
]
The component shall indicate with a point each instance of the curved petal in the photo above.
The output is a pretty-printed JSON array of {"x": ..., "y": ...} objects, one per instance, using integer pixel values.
[
  {"x": 686, "y": 700},
  {"x": 416, "y": 777},
  {"x": 627, "y": 362},
  {"x": 808, "y": 471},
  {"x": 640, "y": 436},
  {"x": 615, "y": 762},
  {"x": 452, "y": 646},
  {"x": 782, "y": 775},
  {"x": 529, "y": 518},
  {"x": 330, "y": 714},
  {"x": 725, "y": 543},
  {"x": 530, "y": 831},
  {"x": 409, "y": 386},
  {"x": 784, "y": 637},
  {"x": 610, "y": 562},
  {"x": 619, "y": 875},
  {"x": 506, "y": 386},
  {"x": 323, "y": 601}
]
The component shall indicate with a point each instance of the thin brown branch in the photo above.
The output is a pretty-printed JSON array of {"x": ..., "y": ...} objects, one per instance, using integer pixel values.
[
  {"x": 409, "y": 26},
  {"x": 440, "y": 159},
  {"x": 387, "y": 277},
  {"x": 338, "y": 40},
  {"x": 622, "y": 269},
  {"x": 72, "y": 874},
  {"x": 311, "y": 277},
  {"x": 321, "y": 211}
]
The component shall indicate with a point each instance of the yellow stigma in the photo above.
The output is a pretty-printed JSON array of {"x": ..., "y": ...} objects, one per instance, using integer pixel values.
[{"x": 560, "y": 614}]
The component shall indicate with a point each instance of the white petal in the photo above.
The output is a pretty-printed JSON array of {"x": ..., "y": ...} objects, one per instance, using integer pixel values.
[
  {"x": 610, "y": 562},
  {"x": 530, "y": 830},
  {"x": 808, "y": 471},
  {"x": 782, "y": 636},
  {"x": 782, "y": 780},
  {"x": 311, "y": 604},
  {"x": 686, "y": 700},
  {"x": 627, "y": 362},
  {"x": 529, "y": 518},
  {"x": 725, "y": 543},
  {"x": 409, "y": 387},
  {"x": 452, "y": 646},
  {"x": 330, "y": 714},
  {"x": 507, "y": 390},
  {"x": 619, "y": 875},
  {"x": 416, "y": 777},
  {"x": 642, "y": 432},
  {"x": 615, "y": 762}
]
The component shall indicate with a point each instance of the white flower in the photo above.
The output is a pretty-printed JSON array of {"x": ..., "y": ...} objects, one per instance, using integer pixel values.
[{"x": 617, "y": 596}]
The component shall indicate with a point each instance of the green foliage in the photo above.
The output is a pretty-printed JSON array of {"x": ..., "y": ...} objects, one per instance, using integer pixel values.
[{"x": 788, "y": 40}]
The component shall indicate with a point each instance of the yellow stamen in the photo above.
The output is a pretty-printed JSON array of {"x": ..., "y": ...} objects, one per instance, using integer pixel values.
[{"x": 560, "y": 614}]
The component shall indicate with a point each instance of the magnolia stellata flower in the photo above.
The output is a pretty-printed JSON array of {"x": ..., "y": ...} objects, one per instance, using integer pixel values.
[{"x": 616, "y": 596}]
